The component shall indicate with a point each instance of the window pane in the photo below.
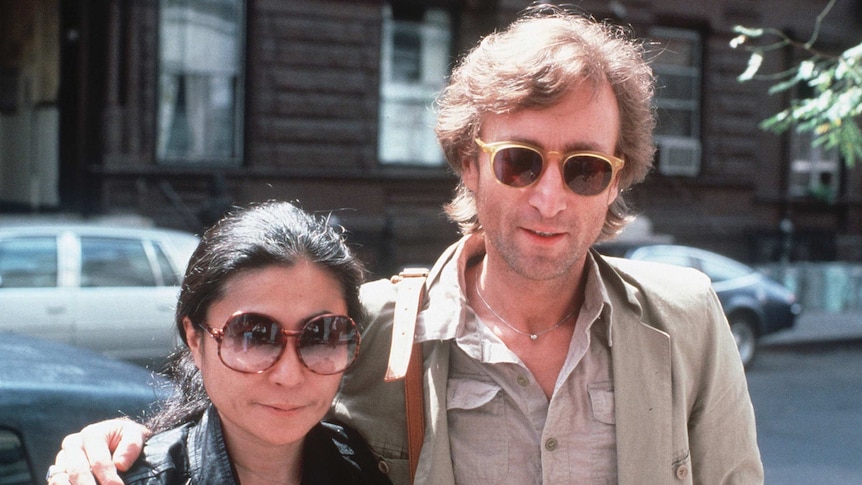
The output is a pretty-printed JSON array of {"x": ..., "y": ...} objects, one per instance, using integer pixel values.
[
  {"x": 814, "y": 171},
  {"x": 675, "y": 122},
  {"x": 200, "y": 59},
  {"x": 414, "y": 65},
  {"x": 679, "y": 86},
  {"x": 28, "y": 262},
  {"x": 169, "y": 274},
  {"x": 677, "y": 51},
  {"x": 406, "y": 55},
  {"x": 114, "y": 262}
]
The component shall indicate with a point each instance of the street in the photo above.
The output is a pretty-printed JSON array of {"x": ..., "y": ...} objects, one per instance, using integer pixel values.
[{"x": 807, "y": 398}]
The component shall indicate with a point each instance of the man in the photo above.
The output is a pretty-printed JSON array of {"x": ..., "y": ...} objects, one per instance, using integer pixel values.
[{"x": 546, "y": 363}]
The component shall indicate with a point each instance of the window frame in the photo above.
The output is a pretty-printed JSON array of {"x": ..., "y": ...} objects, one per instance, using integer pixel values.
[
  {"x": 207, "y": 159},
  {"x": 399, "y": 141},
  {"x": 680, "y": 154}
]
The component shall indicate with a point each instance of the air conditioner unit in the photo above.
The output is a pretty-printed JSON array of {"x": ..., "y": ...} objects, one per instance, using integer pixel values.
[{"x": 678, "y": 155}]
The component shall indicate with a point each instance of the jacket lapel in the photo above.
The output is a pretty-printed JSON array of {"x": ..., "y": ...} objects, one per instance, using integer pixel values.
[{"x": 641, "y": 359}]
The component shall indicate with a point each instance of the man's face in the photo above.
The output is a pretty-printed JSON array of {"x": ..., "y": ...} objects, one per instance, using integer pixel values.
[{"x": 544, "y": 230}]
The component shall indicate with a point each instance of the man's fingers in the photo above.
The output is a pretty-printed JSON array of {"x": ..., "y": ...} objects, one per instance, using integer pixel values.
[
  {"x": 100, "y": 443},
  {"x": 56, "y": 475},
  {"x": 96, "y": 453},
  {"x": 129, "y": 444},
  {"x": 73, "y": 461}
]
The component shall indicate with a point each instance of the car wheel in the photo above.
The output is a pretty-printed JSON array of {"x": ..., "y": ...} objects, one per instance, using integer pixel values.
[{"x": 746, "y": 338}]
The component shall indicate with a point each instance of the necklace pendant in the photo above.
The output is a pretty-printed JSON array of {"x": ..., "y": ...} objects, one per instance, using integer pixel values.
[{"x": 533, "y": 336}]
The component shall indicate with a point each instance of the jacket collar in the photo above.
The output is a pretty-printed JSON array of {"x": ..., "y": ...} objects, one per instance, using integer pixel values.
[
  {"x": 209, "y": 461},
  {"x": 446, "y": 308}
]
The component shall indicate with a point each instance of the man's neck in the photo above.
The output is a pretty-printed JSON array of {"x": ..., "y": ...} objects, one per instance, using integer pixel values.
[{"x": 532, "y": 305}]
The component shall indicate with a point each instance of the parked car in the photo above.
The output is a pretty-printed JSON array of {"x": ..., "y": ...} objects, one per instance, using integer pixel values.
[
  {"x": 755, "y": 305},
  {"x": 49, "y": 389},
  {"x": 106, "y": 288}
]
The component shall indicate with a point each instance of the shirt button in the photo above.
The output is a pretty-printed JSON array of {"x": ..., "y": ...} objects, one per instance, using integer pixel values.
[
  {"x": 551, "y": 444},
  {"x": 523, "y": 381},
  {"x": 383, "y": 466},
  {"x": 682, "y": 472}
]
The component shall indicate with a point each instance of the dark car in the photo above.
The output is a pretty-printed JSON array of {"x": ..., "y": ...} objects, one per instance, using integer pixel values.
[
  {"x": 755, "y": 304},
  {"x": 49, "y": 389}
]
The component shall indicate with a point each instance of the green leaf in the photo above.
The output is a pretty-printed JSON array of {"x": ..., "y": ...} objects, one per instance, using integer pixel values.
[
  {"x": 754, "y": 63},
  {"x": 747, "y": 31}
]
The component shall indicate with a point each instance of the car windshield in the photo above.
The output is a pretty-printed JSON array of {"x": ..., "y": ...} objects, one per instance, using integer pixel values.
[{"x": 720, "y": 269}]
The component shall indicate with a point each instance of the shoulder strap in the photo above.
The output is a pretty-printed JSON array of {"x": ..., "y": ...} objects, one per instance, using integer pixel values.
[
  {"x": 405, "y": 357},
  {"x": 408, "y": 301}
]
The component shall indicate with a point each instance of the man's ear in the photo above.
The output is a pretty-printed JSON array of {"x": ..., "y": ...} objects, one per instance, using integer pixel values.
[{"x": 470, "y": 172}]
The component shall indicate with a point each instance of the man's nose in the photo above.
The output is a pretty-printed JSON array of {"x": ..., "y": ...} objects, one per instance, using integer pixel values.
[{"x": 549, "y": 194}]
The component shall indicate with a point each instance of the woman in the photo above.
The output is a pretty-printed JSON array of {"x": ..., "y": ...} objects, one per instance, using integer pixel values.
[{"x": 266, "y": 313}]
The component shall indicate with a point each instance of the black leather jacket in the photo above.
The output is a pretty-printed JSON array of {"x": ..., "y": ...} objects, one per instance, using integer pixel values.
[{"x": 195, "y": 454}]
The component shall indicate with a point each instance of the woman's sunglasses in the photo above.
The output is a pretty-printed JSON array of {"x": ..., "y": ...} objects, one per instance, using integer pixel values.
[
  {"x": 253, "y": 342},
  {"x": 519, "y": 165}
]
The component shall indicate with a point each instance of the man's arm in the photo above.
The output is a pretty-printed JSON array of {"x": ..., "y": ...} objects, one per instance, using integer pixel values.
[
  {"x": 97, "y": 452},
  {"x": 722, "y": 430}
]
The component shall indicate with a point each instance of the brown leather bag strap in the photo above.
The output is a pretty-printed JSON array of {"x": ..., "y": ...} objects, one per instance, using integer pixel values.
[
  {"x": 415, "y": 408},
  {"x": 405, "y": 357}
]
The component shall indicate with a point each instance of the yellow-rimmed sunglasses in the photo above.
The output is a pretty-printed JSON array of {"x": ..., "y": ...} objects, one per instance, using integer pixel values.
[{"x": 519, "y": 165}]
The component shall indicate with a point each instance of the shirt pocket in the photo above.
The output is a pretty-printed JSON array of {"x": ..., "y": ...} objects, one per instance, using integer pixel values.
[
  {"x": 603, "y": 437},
  {"x": 477, "y": 430},
  {"x": 602, "y": 402}
]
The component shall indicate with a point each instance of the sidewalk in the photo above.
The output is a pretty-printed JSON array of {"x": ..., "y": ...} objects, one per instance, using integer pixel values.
[{"x": 819, "y": 327}]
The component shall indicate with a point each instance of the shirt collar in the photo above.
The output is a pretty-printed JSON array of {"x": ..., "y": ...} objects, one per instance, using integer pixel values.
[{"x": 447, "y": 301}]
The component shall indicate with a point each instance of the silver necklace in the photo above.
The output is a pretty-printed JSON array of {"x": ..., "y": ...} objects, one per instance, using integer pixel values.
[{"x": 533, "y": 336}]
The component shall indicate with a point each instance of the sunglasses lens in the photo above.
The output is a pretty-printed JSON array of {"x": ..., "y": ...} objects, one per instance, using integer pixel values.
[
  {"x": 587, "y": 174},
  {"x": 329, "y": 344},
  {"x": 517, "y": 166},
  {"x": 251, "y": 342}
]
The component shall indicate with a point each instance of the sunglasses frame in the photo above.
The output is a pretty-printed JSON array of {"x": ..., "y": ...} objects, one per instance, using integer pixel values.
[
  {"x": 493, "y": 148},
  {"x": 219, "y": 333}
]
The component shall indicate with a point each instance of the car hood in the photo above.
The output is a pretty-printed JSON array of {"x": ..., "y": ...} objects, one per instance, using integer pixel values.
[{"x": 27, "y": 362}]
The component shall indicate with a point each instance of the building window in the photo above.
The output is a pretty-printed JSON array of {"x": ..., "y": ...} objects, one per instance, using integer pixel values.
[
  {"x": 814, "y": 171},
  {"x": 678, "y": 68},
  {"x": 414, "y": 66},
  {"x": 200, "y": 107}
]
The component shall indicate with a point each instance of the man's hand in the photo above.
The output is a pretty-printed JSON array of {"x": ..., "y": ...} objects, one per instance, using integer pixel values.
[{"x": 86, "y": 457}]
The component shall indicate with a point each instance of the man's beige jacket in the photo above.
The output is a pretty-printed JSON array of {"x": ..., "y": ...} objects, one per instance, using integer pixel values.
[{"x": 682, "y": 408}]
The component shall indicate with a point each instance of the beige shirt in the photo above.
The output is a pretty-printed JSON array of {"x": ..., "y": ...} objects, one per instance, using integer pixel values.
[{"x": 502, "y": 427}]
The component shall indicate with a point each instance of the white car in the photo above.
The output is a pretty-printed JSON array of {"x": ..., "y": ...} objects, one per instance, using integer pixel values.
[{"x": 106, "y": 288}]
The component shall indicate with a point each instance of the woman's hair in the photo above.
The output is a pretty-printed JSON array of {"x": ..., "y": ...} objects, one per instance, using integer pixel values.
[
  {"x": 533, "y": 64},
  {"x": 258, "y": 237}
]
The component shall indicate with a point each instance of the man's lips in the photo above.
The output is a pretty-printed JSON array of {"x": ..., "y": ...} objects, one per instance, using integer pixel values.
[{"x": 544, "y": 233}]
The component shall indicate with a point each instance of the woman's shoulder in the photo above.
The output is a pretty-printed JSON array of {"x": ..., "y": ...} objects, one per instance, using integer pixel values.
[{"x": 338, "y": 454}]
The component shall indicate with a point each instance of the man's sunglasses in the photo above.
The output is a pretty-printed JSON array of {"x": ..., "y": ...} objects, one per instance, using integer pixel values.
[
  {"x": 253, "y": 342},
  {"x": 519, "y": 165}
]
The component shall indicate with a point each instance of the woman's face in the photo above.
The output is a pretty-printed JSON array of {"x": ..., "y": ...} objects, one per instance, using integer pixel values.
[{"x": 280, "y": 405}]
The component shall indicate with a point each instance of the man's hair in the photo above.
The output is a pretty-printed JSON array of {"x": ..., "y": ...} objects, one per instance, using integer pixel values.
[{"x": 533, "y": 64}]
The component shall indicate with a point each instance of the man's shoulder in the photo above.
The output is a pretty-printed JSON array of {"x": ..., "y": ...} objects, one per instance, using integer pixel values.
[
  {"x": 660, "y": 289},
  {"x": 377, "y": 293},
  {"x": 653, "y": 276}
]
